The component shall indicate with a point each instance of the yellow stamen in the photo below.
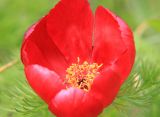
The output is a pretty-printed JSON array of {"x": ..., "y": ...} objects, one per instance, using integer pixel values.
[{"x": 81, "y": 75}]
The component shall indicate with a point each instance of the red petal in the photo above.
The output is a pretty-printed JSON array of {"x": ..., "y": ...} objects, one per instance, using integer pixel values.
[
  {"x": 108, "y": 43},
  {"x": 114, "y": 45},
  {"x": 75, "y": 103},
  {"x": 45, "y": 83},
  {"x": 70, "y": 26},
  {"x": 106, "y": 86},
  {"x": 125, "y": 62},
  {"x": 123, "y": 66},
  {"x": 38, "y": 48}
]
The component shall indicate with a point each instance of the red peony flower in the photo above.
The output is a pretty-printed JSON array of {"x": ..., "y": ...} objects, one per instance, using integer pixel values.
[{"x": 76, "y": 61}]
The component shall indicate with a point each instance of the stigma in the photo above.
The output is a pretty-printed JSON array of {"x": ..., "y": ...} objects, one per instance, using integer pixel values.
[{"x": 81, "y": 75}]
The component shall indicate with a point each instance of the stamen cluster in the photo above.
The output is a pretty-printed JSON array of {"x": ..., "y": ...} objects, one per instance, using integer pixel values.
[{"x": 81, "y": 75}]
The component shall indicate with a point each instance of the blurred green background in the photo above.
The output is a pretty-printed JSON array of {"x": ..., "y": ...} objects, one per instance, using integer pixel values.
[{"x": 143, "y": 16}]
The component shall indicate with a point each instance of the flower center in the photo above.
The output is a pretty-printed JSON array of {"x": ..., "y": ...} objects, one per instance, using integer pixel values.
[{"x": 81, "y": 75}]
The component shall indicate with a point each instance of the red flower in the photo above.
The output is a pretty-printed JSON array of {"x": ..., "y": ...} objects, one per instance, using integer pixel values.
[{"x": 76, "y": 61}]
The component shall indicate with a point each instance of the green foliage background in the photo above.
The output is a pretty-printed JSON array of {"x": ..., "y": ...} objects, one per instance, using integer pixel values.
[{"x": 18, "y": 100}]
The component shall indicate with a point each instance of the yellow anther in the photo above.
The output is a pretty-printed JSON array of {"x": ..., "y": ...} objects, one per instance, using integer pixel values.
[{"x": 81, "y": 75}]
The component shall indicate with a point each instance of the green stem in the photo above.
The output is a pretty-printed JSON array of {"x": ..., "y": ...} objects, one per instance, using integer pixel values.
[{"x": 8, "y": 65}]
